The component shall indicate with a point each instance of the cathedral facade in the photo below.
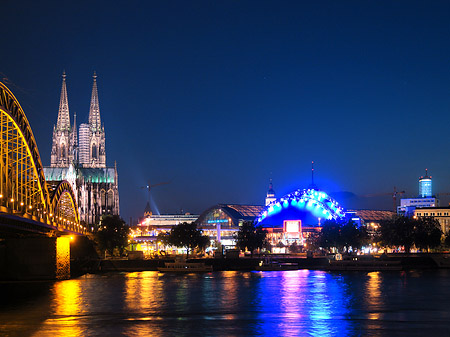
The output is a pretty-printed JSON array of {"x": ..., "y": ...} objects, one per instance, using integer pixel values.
[{"x": 79, "y": 156}]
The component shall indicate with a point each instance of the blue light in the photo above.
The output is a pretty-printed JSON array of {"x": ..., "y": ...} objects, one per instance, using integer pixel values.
[{"x": 317, "y": 202}]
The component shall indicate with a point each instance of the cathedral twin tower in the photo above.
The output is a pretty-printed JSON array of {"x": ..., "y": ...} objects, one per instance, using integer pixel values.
[
  {"x": 80, "y": 158},
  {"x": 87, "y": 150}
]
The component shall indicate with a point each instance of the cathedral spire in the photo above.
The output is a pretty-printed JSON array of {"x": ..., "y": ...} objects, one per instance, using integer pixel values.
[
  {"x": 63, "y": 122},
  {"x": 94, "y": 110}
]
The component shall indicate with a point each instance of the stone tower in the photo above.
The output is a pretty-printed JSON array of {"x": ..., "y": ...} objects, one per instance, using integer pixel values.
[
  {"x": 63, "y": 145},
  {"x": 82, "y": 161},
  {"x": 96, "y": 157}
]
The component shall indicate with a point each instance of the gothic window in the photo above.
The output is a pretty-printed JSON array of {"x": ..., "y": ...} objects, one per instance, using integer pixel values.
[
  {"x": 63, "y": 151},
  {"x": 110, "y": 199},
  {"x": 94, "y": 151},
  {"x": 103, "y": 197}
]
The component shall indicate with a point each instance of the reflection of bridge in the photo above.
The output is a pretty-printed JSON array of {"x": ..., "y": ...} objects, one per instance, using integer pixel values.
[{"x": 27, "y": 202}]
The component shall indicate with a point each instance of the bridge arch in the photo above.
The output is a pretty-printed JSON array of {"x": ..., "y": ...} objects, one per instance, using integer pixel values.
[
  {"x": 23, "y": 188},
  {"x": 64, "y": 208},
  {"x": 24, "y": 192}
]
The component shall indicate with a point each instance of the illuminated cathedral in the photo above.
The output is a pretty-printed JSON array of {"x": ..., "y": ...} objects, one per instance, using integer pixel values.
[{"x": 80, "y": 158}]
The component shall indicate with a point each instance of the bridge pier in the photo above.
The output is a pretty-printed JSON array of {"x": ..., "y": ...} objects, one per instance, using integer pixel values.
[{"x": 35, "y": 258}]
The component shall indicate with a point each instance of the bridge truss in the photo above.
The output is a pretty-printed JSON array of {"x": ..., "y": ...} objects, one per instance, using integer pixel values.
[{"x": 23, "y": 189}]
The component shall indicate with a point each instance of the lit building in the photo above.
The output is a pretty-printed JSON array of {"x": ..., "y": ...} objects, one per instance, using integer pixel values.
[
  {"x": 95, "y": 185},
  {"x": 425, "y": 199},
  {"x": 144, "y": 236},
  {"x": 83, "y": 143},
  {"x": 371, "y": 219},
  {"x": 441, "y": 214},
  {"x": 425, "y": 186},
  {"x": 296, "y": 215},
  {"x": 221, "y": 222}
]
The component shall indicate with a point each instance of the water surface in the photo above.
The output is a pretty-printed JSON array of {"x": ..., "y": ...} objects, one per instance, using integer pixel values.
[{"x": 284, "y": 303}]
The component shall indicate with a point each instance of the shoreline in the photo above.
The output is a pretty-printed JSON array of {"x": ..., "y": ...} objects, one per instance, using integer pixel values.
[{"x": 359, "y": 263}]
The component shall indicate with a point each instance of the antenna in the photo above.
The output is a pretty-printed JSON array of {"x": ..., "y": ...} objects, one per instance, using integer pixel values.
[{"x": 312, "y": 173}]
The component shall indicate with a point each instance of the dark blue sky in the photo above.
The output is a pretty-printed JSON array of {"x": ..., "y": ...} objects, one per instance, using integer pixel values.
[{"x": 217, "y": 96}]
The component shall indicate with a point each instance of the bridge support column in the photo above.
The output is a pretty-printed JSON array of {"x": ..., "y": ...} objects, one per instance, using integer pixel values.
[{"x": 35, "y": 258}]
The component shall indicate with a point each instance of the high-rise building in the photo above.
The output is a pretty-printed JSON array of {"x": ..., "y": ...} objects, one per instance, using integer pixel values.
[
  {"x": 83, "y": 144},
  {"x": 425, "y": 199},
  {"x": 84, "y": 164},
  {"x": 425, "y": 186}
]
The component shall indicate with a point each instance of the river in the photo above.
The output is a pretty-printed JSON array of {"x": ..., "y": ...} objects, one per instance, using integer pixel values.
[{"x": 278, "y": 303}]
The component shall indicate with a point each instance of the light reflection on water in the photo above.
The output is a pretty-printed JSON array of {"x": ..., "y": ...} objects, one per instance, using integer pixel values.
[{"x": 290, "y": 303}]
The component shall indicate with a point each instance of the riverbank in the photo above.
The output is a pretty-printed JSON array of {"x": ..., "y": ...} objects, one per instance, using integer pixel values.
[{"x": 367, "y": 263}]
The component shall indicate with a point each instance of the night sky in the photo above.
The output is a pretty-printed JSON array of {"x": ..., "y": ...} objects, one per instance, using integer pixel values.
[{"x": 219, "y": 96}]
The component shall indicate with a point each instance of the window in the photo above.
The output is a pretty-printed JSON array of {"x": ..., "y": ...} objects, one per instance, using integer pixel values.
[
  {"x": 94, "y": 151},
  {"x": 103, "y": 197},
  {"x": 110, "y": 199}
]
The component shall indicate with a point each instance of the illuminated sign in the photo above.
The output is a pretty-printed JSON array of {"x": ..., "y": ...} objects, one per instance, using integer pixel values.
[
  {"x": 292, "y": 226},
  {"x": 217, "y": 221}
]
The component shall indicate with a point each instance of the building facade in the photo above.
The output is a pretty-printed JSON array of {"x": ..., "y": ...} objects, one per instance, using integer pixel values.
[
  {"x": 222, "y": 222},
  {"x": 441, "y": 214},
  {"x": 425, "y": 199},
  {"x": 144, "y": 236},
  {"x": 80, "y": 158}
]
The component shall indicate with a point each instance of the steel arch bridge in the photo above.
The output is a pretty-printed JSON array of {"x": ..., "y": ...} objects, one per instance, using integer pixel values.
[{"x": 24, "y": 193}]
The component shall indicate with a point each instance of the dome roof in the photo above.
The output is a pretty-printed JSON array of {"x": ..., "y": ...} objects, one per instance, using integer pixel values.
[{"x": 313, "y": 201}]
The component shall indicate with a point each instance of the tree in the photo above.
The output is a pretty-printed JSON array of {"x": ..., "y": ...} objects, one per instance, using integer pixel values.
[
  {"x": 294, "y": 248},
  {"x": 399, "y": 231},
  {"x": 342, "y": 235},
  {"x": 428, "y": 233},
  {"x": 250, "y": 237},
  {"x": 313, "y": 241},
  {"x": 329, "y": 236},
  {"x": 353, "y": 236},
  {"x": 186, "y": 235},
  {"x": 163, "y": 237},
  {"x": 424, "y": 233},
  {"x": 112, "y": 233},
  {"x": 447, "y": 240}
]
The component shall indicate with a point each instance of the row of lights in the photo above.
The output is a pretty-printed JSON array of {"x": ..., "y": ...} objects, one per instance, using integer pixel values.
[{"x": 51, "y": 215}]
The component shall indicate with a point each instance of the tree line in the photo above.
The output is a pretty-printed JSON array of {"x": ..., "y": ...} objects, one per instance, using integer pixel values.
[{"x": 423, "y": 233}]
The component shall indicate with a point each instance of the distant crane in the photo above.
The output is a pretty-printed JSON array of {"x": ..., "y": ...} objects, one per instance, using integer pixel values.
[
  {"x": 149, "y": 186},
  {"x": 393, "y": 194}
]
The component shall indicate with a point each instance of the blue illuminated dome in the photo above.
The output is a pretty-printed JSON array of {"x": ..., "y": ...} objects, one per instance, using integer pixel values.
[{"x": 308, "y": 205}]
